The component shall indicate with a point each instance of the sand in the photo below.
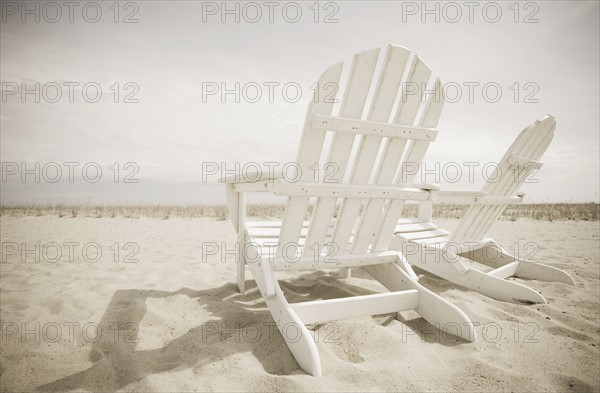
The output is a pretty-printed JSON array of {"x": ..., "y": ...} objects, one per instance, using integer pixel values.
[{"x": 166, "y": 320}]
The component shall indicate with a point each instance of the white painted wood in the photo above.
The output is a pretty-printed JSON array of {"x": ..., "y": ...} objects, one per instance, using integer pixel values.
[
  {"x": 321, "y": 311},
  {"x": 425, "y": 234},
  {"x": 273, "y": 232},
  {"x": 430, "y": 249},
  {"x": 349, "y": 191},
  {"x": 373, "y": 128},
  {"x": 353, "y": 102},
  {"x": 434, "y": 309},
  {"x": 376, "y": 209},
  {"x": 498, "y": 200},
  {"x": 539, "y": 271},
  {"x": 252, "y": 176},
  {"x": 344, "y": 272},
  {"x": 532, "y": 144},
  {"x": 439, "y": 241},
  {"x": 403, "y": 263},
  {"x": 379, "y": 154},
  {"x": 521, "y": 268},
  {"x": 414, "y": 155},
  {"x": 233, "y": 207},
  {"x": 269, "y": 224},
  {"x": 331, "y": 261},
  {"x": 257, "y": 186},
  {"x": 505, "y": 271},
  {"x": 529, "y": 145},
  {"x": 540, "y": 136},
  {"x": 442, "y": 264},
  {"x": 309, "y": 152},
  {"x": 269, "y": 245},
  {"x": 425, "y": 212},
  {"x": 269, "y": 279},
  {"x": 241, "y": 230},
  {"x": 475, "y": 198},
  {"x": 408, "y": 220},
  {"x": 322, "y": 215},
  {"x": 297, "y": 337},
  {"x": 414, "y": 227},
  {"x": 458, "y": 197},
  {"x": 387, "y": 89}
]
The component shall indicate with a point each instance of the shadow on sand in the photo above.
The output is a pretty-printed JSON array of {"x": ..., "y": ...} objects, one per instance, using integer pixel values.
[{"x": 118, "y": 363}]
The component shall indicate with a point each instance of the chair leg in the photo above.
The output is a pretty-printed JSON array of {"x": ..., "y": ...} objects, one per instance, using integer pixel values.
[
  {"x": 437, "y": 311},
  {"x": 494, "y": 254},
  {"x": 241, "y": 264},
  {"x": 344, "y": 272},
  {"x": 297, "y": 337},
  {"x": 241, "y": 277},
  {"x": 236, "y": 207},
  {"x": 539, "y": 271},
  {"x": 435, "y": 261},
  {"x": 295, "y": 334}
]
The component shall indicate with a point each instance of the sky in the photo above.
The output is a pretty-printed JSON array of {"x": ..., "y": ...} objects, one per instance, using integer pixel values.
[{"x": 130, "y": 95}]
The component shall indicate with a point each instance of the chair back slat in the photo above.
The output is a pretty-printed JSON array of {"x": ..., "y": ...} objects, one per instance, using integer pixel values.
[
  {"x": 363, "y": 152},
  {"x": 382, "y": 104},
  {"x": 506, "y": 179},
  {"x": 353, "y": 104},
  {"x": 311, "y": 145},
  {"x": 374, "y": 212},
  {"x": 413, "y": 158}
]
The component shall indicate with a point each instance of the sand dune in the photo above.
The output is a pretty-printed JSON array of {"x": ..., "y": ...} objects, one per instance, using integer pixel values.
[{"x": 166, "y": 320}]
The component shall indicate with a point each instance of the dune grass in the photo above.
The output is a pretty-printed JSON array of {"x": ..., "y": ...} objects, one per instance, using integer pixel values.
[{"x": 542, "y": 211}]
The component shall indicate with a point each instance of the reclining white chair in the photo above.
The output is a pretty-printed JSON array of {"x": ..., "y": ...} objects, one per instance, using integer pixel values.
[
  {"x": 334, "y": 236},
  {"x": 459, "y": 256}
]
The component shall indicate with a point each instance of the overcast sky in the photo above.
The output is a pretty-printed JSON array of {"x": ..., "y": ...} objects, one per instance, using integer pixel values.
[{"x": 176, "y": 50}]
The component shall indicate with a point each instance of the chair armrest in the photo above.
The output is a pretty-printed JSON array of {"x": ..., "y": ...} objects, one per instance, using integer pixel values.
[
  {"x": 334, "y": 190},
  {"x": 500, "y": 200},
  {"x": 252, "y": 176},
  {"x": 463, "y": 198},
  {"x": 467, "y": 197},
  {"x": 476, "y": 198}
]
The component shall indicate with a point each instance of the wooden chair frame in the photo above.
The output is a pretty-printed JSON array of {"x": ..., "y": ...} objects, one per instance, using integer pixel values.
[{"x": 358, "y": 213}]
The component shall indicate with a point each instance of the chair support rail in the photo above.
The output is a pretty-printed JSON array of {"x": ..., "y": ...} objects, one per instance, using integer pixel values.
[{"x": 368, "y": 127}]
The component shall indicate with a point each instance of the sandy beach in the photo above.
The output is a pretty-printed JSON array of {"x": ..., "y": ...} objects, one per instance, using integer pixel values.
[{"x": 121, "y": 304}]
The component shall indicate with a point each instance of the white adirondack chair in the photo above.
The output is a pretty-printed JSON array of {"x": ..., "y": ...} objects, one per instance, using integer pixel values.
[
  {"x": 452, "y": 255},
  {"x": 337, "y": 235}
]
